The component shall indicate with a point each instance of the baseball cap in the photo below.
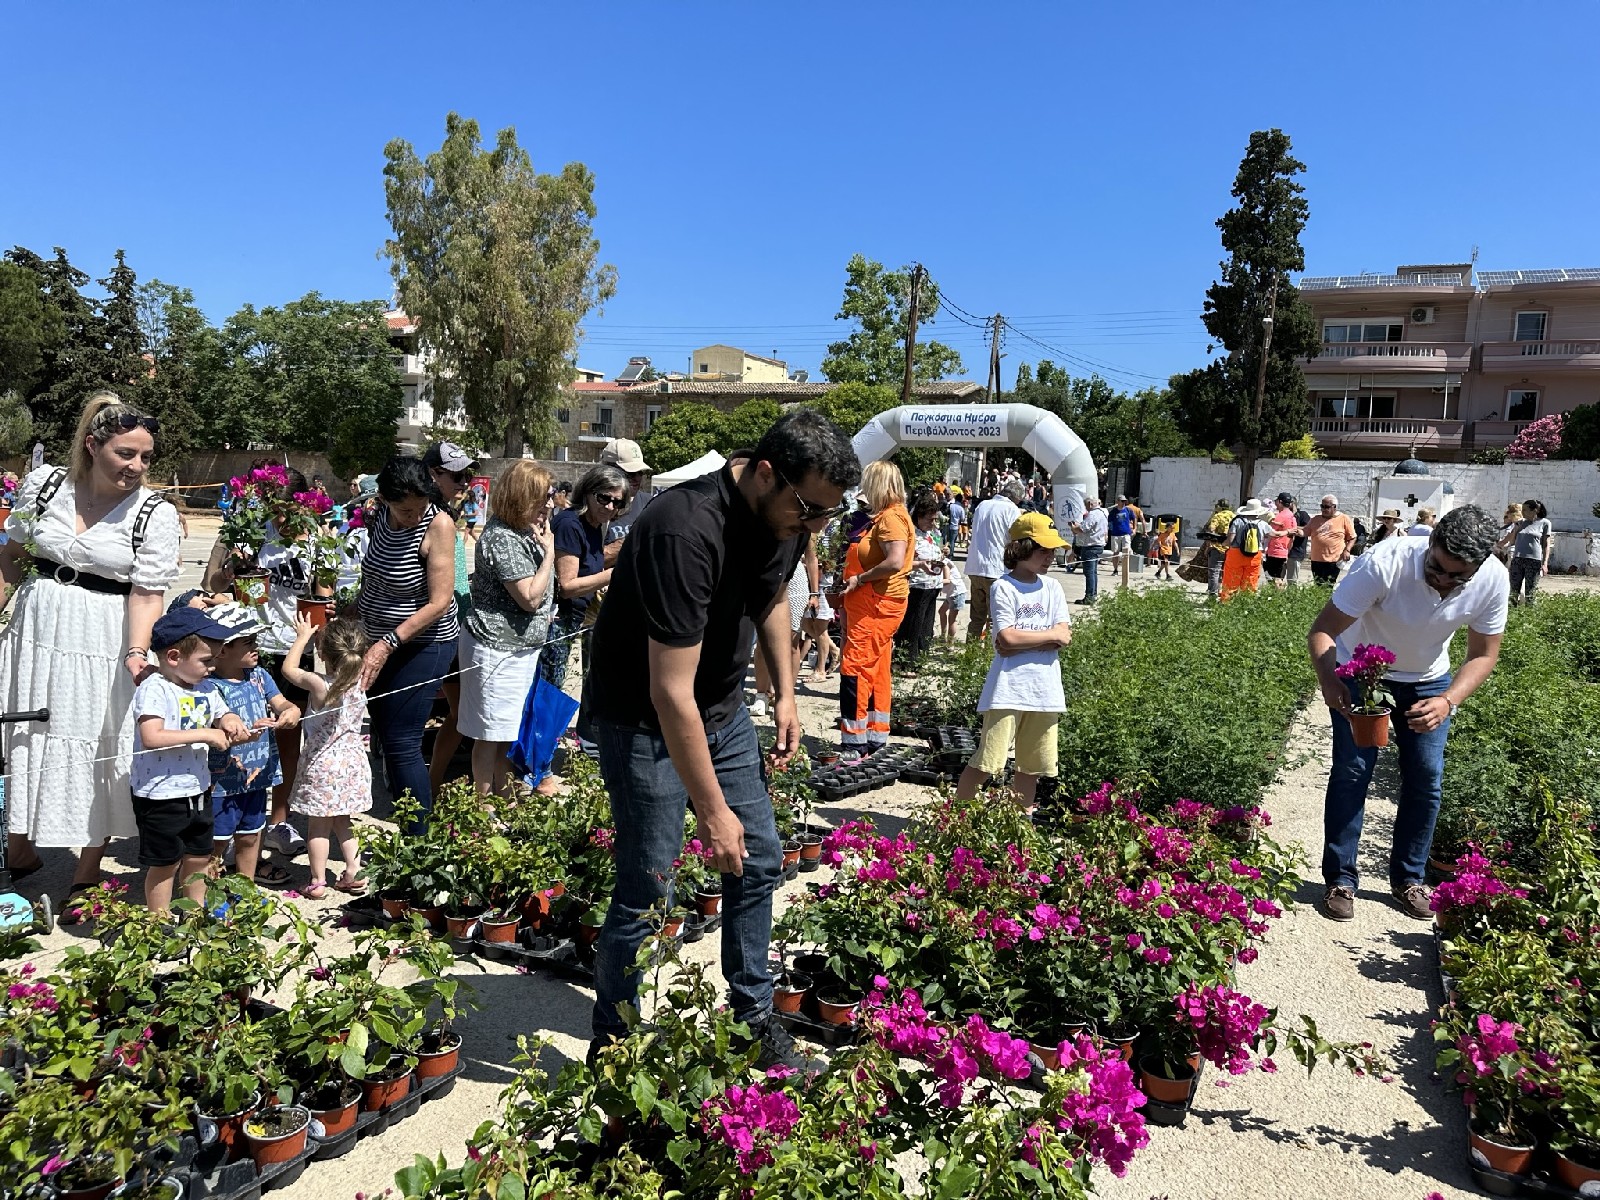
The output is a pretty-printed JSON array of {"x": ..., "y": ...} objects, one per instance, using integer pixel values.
[
  {"x": 1286, "y": 498},
  {"x": 625, "y": 454},
  {"x": 172, "y": 628},
  {"x": 1038, "y": 527},
  {"x": 448, "y": 456},
  {"x": 366, "y": 485},
  {"x": 237, "y": 619}
]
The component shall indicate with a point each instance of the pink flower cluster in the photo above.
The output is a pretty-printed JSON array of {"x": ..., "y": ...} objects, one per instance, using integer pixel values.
[
  {"x": 1106, "y": 1117},
  {"x": 1367, "y": 665},
  {"x": 1495, "y": 1040},
  {"x": 317, "y": 502},
  {"x": 1538, "y": 440},
  {"x": 39, "y": 995},
  {"x": 1476, "y": 885},
  {"x": 751, "y": 1120},
  {"x": 1226, "y": 1024},
  {"x": 955, "y": 1056}
]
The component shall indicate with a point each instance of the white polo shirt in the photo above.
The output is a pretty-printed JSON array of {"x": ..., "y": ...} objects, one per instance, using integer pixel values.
[
  {"x": 991, "y": 530},
  {"x": 1394, "y": 607}
]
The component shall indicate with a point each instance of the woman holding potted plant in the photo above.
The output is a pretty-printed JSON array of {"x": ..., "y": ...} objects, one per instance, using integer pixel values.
[
  {"x": 302, "y": 561},
  {"x": 1408, "y": 595}
]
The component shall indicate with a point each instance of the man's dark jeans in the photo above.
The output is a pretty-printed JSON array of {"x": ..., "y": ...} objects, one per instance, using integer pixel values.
[
  {"x": 647, "y": 802},
  {"x": 1089, "y": 556},
  {"x": 1421, "y": 769}
]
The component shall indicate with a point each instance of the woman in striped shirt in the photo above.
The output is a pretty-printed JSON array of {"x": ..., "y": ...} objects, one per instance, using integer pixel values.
[{"x": 408, "y": 608}]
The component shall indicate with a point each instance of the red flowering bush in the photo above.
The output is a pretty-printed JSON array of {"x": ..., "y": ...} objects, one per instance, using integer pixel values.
[{"x": 1539, "y": 439}]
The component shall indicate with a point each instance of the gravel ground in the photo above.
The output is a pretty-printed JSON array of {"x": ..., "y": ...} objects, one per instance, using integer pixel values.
[{"x": 1261, "y": 1138}]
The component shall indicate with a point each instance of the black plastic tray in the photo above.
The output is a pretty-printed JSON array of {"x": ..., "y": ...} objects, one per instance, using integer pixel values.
[
  {"x": 1502, "y": 1183},
  {"x": 817, "y": 1031}
]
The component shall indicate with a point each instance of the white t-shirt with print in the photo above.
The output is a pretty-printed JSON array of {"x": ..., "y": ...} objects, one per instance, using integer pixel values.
[
  {"x": 175, "y": 771},
  {"x": 1029, "y": 681},
  {"x": 1394, "y": 607}
]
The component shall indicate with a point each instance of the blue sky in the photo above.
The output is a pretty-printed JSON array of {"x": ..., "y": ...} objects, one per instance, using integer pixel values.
[{"x": 1060, "y": 163}]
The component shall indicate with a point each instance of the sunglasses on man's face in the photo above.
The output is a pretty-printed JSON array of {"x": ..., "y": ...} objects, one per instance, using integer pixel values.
[
  {"x": 1432, "y": 566},
  {"x": 808, "y": 510}
]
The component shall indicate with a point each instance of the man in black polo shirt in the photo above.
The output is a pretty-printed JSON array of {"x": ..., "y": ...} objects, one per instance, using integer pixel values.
[{"x": 705, "y": 569}]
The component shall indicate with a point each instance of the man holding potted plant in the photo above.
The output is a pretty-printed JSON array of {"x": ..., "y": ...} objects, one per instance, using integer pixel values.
[
  {"x": 703, "y": 573},
  {"x": 1409, "y": 596}
]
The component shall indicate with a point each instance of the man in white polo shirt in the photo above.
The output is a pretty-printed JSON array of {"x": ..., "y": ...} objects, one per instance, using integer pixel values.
[
  {"x": 1409, "y": 595},
  {"x": 991, "y": 529}
]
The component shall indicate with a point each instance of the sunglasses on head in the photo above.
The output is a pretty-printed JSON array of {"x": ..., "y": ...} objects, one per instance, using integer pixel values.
[
  {"x": 125, "y": 421},
  {"x": 808, "y": 510}
]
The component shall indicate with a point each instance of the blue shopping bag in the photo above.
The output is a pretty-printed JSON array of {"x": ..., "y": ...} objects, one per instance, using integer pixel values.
[{"x": 545, "y": 717}]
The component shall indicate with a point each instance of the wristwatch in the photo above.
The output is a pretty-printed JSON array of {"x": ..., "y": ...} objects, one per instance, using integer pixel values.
[
  {"x": 391, "y": 639},
  {"x": 1453, "y": 706}
]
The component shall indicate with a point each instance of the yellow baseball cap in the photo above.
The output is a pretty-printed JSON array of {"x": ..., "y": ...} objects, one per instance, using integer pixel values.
[{"x": 1040, "y": 528}]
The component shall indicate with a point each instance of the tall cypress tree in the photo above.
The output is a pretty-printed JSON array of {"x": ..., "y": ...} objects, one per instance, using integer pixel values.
[{"x": 1217, "y": 404}]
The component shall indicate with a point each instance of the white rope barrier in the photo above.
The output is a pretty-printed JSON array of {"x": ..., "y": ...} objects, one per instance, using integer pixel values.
[{"x": 304, "y": 717}]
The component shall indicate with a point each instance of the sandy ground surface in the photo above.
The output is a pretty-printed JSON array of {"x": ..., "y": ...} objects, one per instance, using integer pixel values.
[{"x": 1260, "y": 1138}]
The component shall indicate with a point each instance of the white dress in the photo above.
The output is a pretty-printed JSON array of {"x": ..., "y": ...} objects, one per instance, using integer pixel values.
[{"x": 63, "y": 649}]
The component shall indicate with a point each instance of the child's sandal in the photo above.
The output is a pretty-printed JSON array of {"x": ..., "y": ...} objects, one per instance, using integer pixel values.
[
  {"x": 315, "y": 891},
  {"x": 351, "y": 885}
]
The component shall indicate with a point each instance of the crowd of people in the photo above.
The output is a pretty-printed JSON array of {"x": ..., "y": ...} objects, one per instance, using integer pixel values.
[{"x": 201, "y": 725}]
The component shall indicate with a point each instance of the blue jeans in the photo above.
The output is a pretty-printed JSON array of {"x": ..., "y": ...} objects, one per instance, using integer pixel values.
[
  {"x": 1421, "y": 769},
  {"x": 647, "y": 803},
  {"x": 1524, "y": 577},
  {"x": 1089, "y": 556},
  {"x": 398, "y": 720}
]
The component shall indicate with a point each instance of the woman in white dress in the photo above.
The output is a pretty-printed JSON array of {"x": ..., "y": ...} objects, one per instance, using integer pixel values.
[{"x": 90, "y": 554}]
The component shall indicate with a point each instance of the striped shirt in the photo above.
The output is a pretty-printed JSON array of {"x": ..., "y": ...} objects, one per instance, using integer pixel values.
[{"x": 394, "y": 581}]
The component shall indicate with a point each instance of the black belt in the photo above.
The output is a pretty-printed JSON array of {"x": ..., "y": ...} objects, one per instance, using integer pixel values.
[{"x": 70, "y": 575}]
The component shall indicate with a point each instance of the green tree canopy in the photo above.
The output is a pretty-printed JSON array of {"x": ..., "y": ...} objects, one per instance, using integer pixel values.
[
  {"x": 498, "y": 265},
  {"x": 875, "y": 351},
  {"x": 315, "y": 374},
  {"x": 16, "y": 425},
  {"x": 851, "y": 405},
  {"x": 1261, "y": 234},
  {"x": 1580, "y": 434},
  {"x": 682, "y": 434},
  {"x": 76, "y": 362},
  {"x": 31, "y": 330},
  {"x": 1115, "y": 426}
]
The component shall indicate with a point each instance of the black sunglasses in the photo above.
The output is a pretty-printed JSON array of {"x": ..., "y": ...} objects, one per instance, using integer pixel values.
[
  {"x": 609, "y": 501},
  {"x": 808, "y": 510},
  {"x": 1431, "y": 564},
  {"x": 124, "y": 421}
]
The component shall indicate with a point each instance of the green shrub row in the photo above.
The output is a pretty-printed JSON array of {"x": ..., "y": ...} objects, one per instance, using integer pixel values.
[{"x": 1536, "y": 718}]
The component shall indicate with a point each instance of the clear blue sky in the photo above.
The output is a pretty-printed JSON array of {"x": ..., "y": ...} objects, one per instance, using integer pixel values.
[{"x": 1060, "y": 163}]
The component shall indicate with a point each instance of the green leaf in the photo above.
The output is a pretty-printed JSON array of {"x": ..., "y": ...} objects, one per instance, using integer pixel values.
[
  {"x": 645, "y": 1091},
  {"x": 590, "y": 1128},
  {"x": 357, "y": 1040},
  {"x": 678, "y": 1150},
  {"x": 511, "y": 1188}
]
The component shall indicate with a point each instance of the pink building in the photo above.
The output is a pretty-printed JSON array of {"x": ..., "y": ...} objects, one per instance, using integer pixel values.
[{"x": 1431, "y": 358}]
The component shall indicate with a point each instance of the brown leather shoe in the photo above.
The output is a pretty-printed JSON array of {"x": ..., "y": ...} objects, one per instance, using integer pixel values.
[
  {"x": 1415, "y": 900},
  {"x": 1339, "y": 903}
]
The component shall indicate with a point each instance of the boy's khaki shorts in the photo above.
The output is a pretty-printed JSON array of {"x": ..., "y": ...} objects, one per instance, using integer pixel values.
[{"x": 1034, "y": 734}]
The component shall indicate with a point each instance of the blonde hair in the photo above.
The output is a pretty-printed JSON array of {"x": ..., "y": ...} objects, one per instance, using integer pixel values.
[
  {"x": 882, "y": 485},
  {"x": 96, "y": 411},
  {"x": 520, "y": 495},
  {"x": 344, "y": 645},
  {"x": 1425, "y": 515}
]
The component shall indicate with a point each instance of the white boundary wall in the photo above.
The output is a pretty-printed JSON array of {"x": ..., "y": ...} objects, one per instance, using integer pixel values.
[{"x": 1569, "y": 489}]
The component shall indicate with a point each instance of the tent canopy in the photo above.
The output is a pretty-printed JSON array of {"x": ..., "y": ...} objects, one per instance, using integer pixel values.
[{"x": 708, "y": 462}]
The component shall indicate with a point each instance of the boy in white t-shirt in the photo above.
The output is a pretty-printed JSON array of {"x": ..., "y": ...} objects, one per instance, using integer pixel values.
[
  {"x": 175, "y": 727},
  {"x": 1023, "y": 698}
]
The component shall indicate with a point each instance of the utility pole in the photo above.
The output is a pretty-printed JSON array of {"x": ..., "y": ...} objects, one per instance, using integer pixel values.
[
  {"x": 992, "y": 390},
  {"x": 911, "y": 332}
]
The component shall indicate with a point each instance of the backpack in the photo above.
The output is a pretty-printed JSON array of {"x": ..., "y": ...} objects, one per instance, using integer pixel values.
[
  {"x": 1249, "y": 540},
  {"x": 141, "y": 519}
]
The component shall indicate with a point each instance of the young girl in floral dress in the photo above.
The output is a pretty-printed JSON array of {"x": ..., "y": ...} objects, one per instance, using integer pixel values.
[{"x": 335, "y": 778}]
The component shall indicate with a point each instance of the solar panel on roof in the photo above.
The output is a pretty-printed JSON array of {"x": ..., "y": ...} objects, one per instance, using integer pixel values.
[{"x": 1559, "y": 275}]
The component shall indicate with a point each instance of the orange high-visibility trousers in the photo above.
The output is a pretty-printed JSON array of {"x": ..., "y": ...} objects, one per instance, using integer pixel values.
[
  {"x": 1240, "y": 571},
  {"x": 865, "y": 687}
]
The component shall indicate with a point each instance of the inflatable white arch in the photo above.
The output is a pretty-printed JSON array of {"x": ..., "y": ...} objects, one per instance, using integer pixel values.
[{"x": 984, "y": 426}]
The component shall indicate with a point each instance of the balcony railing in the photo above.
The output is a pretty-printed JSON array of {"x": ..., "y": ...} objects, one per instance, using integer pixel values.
[
  {"x": 1385, "y": 431},
  {"x": 1395, "y": 356},
  {"x": 1491, "y": 433},
  {"x": 1514, "y": 356}
]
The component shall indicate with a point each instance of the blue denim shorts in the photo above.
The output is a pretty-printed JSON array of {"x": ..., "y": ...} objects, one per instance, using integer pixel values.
[{"x": 237, "y": 812}]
